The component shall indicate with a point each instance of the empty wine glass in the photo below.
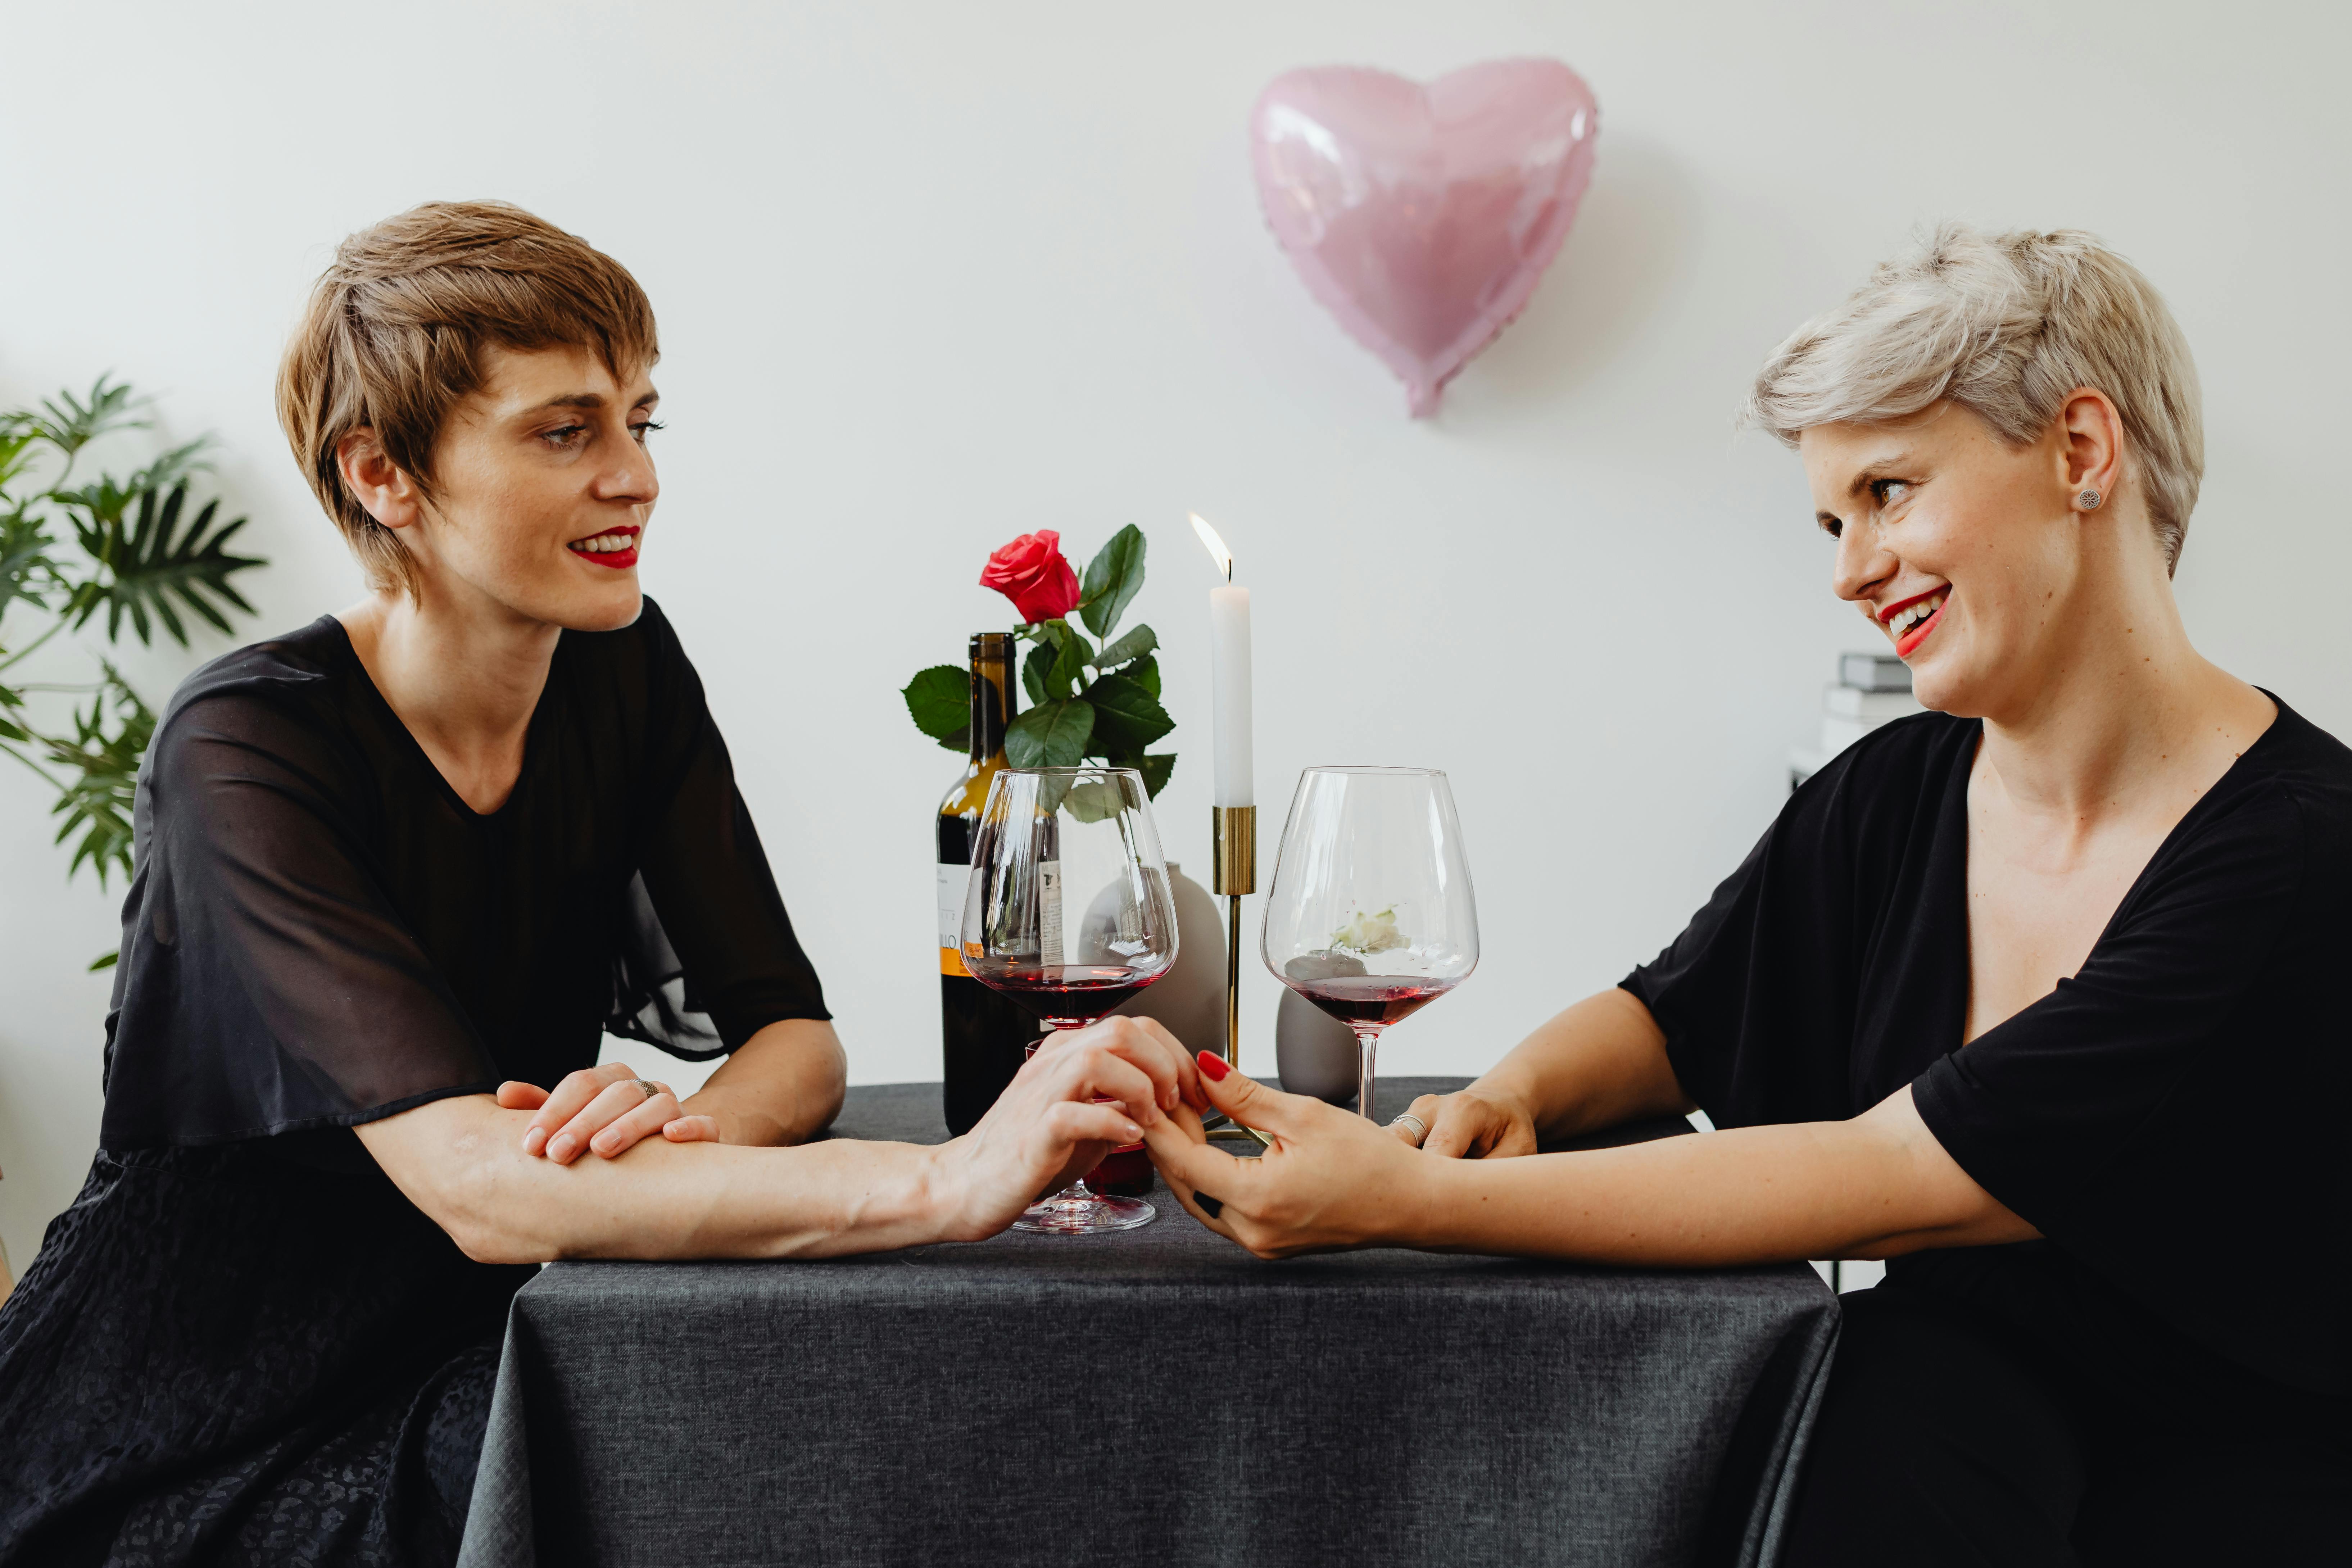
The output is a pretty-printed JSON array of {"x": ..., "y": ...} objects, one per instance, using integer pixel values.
[
  {"x": 1068, "y": 913},
  {"x": 1372, "y": 917}
]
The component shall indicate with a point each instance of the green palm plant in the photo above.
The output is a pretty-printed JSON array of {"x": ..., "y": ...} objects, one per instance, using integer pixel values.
[{"x": 121, "y": 545}]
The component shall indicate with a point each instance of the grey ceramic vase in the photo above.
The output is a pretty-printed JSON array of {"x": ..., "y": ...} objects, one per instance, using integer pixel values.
[
  {"x": 1315, "y": 1053},
  {"x": 1189, "y": 999}
]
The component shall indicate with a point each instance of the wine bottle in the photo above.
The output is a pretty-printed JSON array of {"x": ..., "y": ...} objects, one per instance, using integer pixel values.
[{"x": 984, "y": 1035}]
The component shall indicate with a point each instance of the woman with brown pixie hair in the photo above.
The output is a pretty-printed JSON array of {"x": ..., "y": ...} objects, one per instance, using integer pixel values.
[{"x": 397, "y": 874}]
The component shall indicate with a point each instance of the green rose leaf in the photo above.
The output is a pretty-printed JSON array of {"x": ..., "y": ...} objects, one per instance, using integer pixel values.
[
  {"x": 1068, "y": 670},
  {"x": 1033, "y": 671},
  {"x": 1113, "y": 579},
  {"x": 1126, "y": 717},
  {"x": 1157, "y": 768},
  {"x": 1050, "y": 735},
  {"x": 1138, "y": 641},
  {"x": 939, "y": 699},
  {"x": 1144, "y": 672},
  {"x": 1098, "y": 800}
]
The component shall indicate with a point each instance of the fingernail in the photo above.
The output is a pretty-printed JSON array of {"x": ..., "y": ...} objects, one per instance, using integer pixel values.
[
  {"x": 561, "y": 1149},
  {"x": 534, "y": 1140},
  {"x": 603, "y": 1143},
  {"x": 1134, "y": 1134},
  {"x": 1214, "y": 1065},
  {"x": 1209, "y": 1206}
]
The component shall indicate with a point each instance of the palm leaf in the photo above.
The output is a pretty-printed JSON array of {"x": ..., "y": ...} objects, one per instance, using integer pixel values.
[
  {"x": 18, "y": 434},
  {"x": 24, "y": 560},
  {"x": 147, "y": 564},
  {"x": 103, "y": 756},
  {"x": 73, "y": 423}
]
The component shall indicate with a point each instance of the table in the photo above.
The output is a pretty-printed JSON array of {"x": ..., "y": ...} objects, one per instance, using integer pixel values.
[{"x": 1157, "y": 1397}]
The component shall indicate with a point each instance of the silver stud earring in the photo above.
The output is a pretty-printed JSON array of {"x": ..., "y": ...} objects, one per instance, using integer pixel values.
[{"x": 2088, "y": 500}]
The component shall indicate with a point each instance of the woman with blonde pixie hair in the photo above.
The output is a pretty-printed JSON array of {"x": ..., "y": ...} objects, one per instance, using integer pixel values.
[
  {"x": 398, "y": 873},
  {"x": 2032, "y": 995}
]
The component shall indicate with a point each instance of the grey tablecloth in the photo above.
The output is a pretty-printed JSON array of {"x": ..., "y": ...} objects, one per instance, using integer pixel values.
[{"x": 1148, "y": 1398}]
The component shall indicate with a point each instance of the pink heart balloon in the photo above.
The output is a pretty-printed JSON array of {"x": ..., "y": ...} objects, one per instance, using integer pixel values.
[{"x": 1423, "y": 216}]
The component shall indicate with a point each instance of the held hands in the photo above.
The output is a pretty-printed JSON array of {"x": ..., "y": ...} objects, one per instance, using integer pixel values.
[
  {"x": 1478, "y": 1123},
  {"x": 1331, "y": 1179},
  {"x": 605, "y": 1109},
  {"x": 1046, "y": 1129}
]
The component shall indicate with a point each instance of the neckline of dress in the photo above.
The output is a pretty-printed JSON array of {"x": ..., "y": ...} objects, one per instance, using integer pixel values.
[
  {"x": 531, "y": 748},
  {"x": 2218, "y": 796}
]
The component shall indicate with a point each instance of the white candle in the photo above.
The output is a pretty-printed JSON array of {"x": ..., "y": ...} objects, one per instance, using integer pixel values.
[{"x": 1229, "y": 674}]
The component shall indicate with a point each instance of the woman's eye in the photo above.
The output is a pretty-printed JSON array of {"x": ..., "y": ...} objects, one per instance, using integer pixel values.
[
  {"x": 1889, "y": 491},
  {"x": 566, "y": 436},
  {"x": 646, "y": 429},
  {"x": 1832, "y": 526}
]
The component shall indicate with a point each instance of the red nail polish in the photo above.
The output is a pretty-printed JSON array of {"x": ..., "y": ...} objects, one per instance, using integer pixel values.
[{"x": 1216, "y": 1066}]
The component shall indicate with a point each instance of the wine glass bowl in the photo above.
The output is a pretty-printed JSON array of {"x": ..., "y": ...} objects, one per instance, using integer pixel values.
[
  {"x": 1068, "y": 913},
  {"x": 1371, "y": 916}
]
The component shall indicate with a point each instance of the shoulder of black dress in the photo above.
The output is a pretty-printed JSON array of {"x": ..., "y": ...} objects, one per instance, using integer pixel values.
[
  {"x": 1903, "y": 746},
  {"x": 297, "y": 674},
  {"x": 2296, "y": 747}
]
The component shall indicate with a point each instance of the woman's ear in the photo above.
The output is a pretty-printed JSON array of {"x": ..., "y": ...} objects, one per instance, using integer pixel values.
[
  {"x": 378, "y": 483},
  {"x": 2091, "y": 449}
]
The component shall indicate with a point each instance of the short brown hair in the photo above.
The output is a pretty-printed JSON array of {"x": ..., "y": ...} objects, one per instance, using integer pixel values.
[
  {"x": 392, "y": 339},
  {"x": 2005, "y": 325}
]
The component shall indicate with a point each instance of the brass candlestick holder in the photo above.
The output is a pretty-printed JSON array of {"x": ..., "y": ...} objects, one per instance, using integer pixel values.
[{"x": 1235, "y": 835}]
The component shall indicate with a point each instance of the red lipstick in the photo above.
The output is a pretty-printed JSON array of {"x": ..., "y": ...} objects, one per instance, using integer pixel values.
[
  {"x": 618, "y": 560},
  {"x": 1918, "y": 633},
  {"x": 1904, "y": 644}
]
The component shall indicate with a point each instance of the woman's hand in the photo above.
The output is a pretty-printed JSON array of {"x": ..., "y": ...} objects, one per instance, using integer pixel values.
[
  {"x": 1085, "y": 1092},
  {"x": 1331, "y": 1179},
  {"x": 1480, "y": 1123},
  {"x": 606, "y": 1109}
]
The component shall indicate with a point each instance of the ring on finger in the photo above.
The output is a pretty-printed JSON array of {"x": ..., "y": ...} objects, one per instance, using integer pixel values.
[
  {"x": 650, "y": 1087},
  {"x": 1420, "y": 1128}
]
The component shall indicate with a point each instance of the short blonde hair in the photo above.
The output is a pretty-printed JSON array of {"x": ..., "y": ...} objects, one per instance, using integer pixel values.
[
  {"x": 393, "y": 333},
  {"x": 2005, "y": 325}
]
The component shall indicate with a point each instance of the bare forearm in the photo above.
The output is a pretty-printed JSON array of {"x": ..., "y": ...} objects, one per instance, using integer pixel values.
[
  {"x": 1876, "y": 1186},
  {"x": 782, "y": 1086},
  {"x": 1599, "y": 1064},
  {"x": 659, "y": 1199}
]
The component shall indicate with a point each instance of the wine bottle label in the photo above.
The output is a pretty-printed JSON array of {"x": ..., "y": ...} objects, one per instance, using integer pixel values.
[
  {"x": 1049, "y": 913},
  {"x": 953, "y": 879}
]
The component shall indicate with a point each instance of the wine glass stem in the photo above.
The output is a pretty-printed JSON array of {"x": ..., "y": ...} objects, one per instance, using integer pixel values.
[{"x": 1370, "y": 1042}]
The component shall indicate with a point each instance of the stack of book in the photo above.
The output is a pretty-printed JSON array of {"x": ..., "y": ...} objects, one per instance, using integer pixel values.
[{"x": 1872, "y": 688}]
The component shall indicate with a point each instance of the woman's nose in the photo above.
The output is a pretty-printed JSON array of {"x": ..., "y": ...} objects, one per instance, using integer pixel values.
[
  {"x": 1861, "y": 564},
  {"x": 629, "y": 479}
]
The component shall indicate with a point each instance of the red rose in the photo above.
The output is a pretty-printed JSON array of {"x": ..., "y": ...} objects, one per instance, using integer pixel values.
[{"x": 1032, "y": 573}]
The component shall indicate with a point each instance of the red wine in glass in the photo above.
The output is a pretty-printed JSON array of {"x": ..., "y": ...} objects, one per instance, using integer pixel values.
[
  {"x": 1376, "y": 999},
  {"x": 1072, "y": 995},
  {"x": 1372, "y": 917},
  {"x": 1069, "y": 914}
]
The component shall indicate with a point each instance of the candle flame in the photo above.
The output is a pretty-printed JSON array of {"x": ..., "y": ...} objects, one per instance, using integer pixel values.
[{"x": 1216, "y": 546}]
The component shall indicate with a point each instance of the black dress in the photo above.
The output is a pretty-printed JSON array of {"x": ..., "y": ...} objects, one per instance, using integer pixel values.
[
  {"x": 2173, "y": 1363},
  {"x": 241, "y": 1343}
]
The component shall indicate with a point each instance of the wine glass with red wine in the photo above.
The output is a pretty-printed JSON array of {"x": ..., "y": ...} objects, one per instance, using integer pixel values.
[
  {"x": 1372, "y": 917},
  {"x": 1068, "y": 913}
]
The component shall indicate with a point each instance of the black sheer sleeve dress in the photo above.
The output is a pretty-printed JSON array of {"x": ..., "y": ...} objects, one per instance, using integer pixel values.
[
  {"x": 241, "y": 1344},
  {"x": 2167, "y": 1376}
]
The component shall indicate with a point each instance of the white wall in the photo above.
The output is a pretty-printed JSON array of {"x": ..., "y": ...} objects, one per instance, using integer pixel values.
[{"x": 932, "y": 274}]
